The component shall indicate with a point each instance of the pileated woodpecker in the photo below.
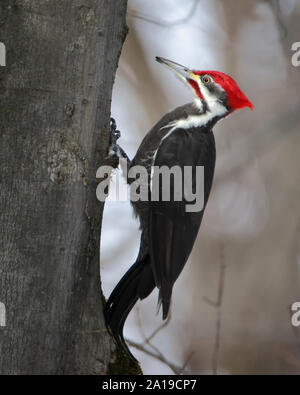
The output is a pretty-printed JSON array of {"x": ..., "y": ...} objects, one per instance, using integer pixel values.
[{"x": 183, "y": 137}]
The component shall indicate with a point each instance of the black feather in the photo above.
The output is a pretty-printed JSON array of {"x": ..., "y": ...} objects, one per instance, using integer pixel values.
[
  {"x": 172, "y": 230},
  {"x": 137, "y": 283}
]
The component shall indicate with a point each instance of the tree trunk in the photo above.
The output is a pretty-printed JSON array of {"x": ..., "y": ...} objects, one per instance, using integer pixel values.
[{"x": 55, "y": 94}]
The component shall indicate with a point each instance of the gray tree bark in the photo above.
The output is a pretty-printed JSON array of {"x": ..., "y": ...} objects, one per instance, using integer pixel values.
[{"x": 55, "y": 95}]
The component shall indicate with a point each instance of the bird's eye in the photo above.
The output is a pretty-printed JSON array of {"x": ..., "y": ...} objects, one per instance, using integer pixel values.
[{"x": 206, "y": 79}]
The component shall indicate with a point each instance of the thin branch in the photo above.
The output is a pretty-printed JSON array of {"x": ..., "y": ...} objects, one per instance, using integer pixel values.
[
  {"x": 165, "y": 23},
  {"x": 187, "y": 360},
  {"x": 156, "y": 353},
  {"x": 216, "y": 351},
  {"x": 139, "y": 323},
  {"x": 146, "y": 339},
  {"x": 159, "y": 356},
  {"x": 275, "y": 5},
  {"x": 162, "y": 326}
]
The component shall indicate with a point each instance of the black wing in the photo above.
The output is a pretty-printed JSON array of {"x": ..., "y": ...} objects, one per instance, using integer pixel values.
[{"x": 172, "y": 230}]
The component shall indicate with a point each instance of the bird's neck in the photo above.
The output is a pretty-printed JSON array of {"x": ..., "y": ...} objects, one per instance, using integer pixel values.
[
  {"x": 203, "y": 114},
  {"x": 213, "y": 107}
]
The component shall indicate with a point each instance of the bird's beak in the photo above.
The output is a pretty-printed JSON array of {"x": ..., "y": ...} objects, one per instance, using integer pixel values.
[{"x": 182, "y": 72}]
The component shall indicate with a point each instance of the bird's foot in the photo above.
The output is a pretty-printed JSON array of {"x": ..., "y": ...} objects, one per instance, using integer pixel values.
[
  {"x": 114, "y": 133},
  {"x": 114, "y": 149},
  {"x": 115, "y": 152}
]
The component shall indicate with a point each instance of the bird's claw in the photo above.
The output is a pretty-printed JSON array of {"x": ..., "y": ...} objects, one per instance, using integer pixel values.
[
  {"x": 113, "y": 151},
  {"x": 114, "y": 133}
]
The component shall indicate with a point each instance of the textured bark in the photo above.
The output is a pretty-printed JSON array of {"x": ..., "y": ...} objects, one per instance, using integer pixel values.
[{"x": 55, "y": 94}]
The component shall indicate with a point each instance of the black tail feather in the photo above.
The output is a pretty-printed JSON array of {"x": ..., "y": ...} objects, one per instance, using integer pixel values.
[
  {"x": 164, "y": 298},
  {"x": 137, "y": 283}
]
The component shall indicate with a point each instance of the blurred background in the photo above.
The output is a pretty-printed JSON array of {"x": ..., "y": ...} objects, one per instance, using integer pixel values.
[{"x": 231, "y": 306}]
